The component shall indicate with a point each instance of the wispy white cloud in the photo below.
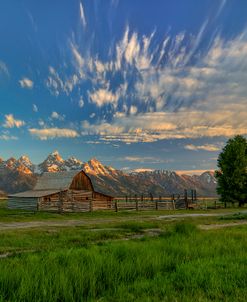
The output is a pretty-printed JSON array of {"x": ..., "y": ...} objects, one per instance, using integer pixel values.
[
  {"x": 82, "y": 16},
  {"x": 51, "y": 133},
  {"x": 133, "y": 109},
  {"x": 150, "y": 127},
  {"x": 134, "y": 51},
  {"x": 144, "y": 159},
  {"x": 221, "y": 7},
  {"x": 206, "y": 147},
  {"x": 78, "y": 57},
  {"x": 35, "y": 108},
  {"x": 57, "y": 116},
  {"x": 26, "y": 83},
  {"x": 56, "y": 84},
  {"x": 192, "y": 172},
  {"x": 173, "y": 89},
  {"x": 141, "y": 170},
  {"x": 4, "y": 68},
  {"x": 6, "y": 136},
  {"x": 32, "y": 21},
  {"x": 102, "y": 97},
  {"x": 11, "y": 122},
  {"x": 137, "y": 158},
  {"x": 81, "y": 103},
  {"x": 41, "y": 123}
]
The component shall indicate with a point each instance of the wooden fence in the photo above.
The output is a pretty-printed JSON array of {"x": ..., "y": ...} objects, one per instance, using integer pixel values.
[
  {"x": 143, "y": 205},
  {"x": 187, "y": 200}
]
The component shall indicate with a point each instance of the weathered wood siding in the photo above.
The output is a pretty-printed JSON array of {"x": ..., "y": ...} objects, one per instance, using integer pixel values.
[
  {"x": 101, "y": 201},
  {"x": 81, "y": 182},
  {"x": 23, "y": 203},
  {"x": 69, "y": 201}
]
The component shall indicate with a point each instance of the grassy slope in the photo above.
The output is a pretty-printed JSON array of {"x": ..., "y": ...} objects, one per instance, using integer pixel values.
[{"x": 182, "y": 264}]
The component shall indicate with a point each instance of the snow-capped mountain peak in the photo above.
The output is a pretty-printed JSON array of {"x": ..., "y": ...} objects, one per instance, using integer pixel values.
[
  {"x": 208, "y": 177},
  {"x": 25, "y": 161},
  {"x": 55, "y": 156},
  {"x": 73, "y": 163},
  {"x": 54, "y": 163},
  {"x": 95, "y": 167}
]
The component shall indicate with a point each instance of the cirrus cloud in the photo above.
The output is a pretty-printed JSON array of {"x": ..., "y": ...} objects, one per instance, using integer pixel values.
[
  {"x": 174, "y": 88},
  {"x": 11, "y": 122},
  {"x": 206, "y": 147},
  {"x": 51, "y": 133},
  {"x": 4, "y": 68},
  {"x": 102, "y": 97},
  {"x": 26, "y": 83}
]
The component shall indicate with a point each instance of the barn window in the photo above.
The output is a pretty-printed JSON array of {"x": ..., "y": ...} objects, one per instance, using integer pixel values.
[{"x": 86, "y": 198}]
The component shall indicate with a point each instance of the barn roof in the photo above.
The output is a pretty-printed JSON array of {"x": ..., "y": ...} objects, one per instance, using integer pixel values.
[
  {"x": 35, "y": 194},
  {"x": 53, "y": 182}
]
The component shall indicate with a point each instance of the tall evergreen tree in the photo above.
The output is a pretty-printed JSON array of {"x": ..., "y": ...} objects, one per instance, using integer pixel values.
[{"x": 232, "y": 173}]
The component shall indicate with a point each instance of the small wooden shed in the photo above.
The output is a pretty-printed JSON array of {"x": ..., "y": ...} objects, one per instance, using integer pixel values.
[{"x": 71, "y": 191}]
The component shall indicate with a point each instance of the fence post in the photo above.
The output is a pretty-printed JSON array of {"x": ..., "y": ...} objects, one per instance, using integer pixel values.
[
  {"x": 173, "y": 202},
  {"x": 141, "y": 199},
  {"x": 116, "y": 208},
  {"x": 136, "y": 200},
  {"x": 192, "y": 196},
  {"x": 195, "y": 195},
  {"x": 186, "y": 198},
  {"x": 126, "y": 198},
  {"x": 156, "y": 203}
]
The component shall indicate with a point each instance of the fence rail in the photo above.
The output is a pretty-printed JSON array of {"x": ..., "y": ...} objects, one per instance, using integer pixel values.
[{"x": 143, "y": 205}]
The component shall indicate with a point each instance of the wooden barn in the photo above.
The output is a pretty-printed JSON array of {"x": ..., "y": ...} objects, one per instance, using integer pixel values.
[{"x": 71, "y": 191}]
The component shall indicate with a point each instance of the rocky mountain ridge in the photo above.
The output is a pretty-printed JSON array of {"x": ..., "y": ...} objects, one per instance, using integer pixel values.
[{"x": 20, "y": 174}]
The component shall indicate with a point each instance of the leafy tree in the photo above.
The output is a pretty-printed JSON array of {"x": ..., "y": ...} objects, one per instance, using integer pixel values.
[{"x": 232, "y": 173}]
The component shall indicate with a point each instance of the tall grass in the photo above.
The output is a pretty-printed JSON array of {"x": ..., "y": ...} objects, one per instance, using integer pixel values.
[{"x": 184, "y": 264}]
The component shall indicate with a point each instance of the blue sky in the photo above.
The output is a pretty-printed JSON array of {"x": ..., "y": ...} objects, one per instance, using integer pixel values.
[{"x": 137, "y": 84}]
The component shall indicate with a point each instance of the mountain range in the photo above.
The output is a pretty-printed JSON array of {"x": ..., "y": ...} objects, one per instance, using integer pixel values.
[{"x": 18, "y": 175}]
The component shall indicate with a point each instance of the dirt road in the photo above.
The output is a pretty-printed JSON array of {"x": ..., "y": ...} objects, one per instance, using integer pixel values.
[{"x": 96, "y": 221}]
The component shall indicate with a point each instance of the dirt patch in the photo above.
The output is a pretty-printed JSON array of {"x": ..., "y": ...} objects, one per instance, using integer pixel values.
[
  {"x": 221, "y": 226},
  {"x": 9, "y": 254},
  {"x": 6, "y": 255},
  {"x": 194, "y": 215}
]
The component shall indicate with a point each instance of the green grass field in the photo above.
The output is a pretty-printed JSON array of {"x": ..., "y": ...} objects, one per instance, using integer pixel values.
[{"x": 132, "y": 257}]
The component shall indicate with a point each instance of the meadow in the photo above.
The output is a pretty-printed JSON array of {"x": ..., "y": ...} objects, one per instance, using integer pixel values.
[{"x": 129, "y": 257}]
